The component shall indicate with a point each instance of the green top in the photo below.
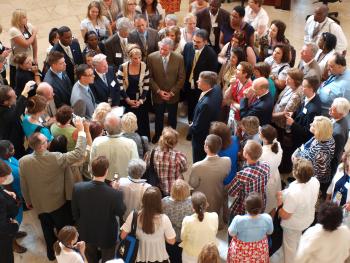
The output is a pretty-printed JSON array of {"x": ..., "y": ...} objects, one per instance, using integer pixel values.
[{"x": 67, "y": 131}]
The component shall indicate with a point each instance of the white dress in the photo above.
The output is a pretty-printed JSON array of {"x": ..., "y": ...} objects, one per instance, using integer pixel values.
[
  {"x": 274, "y": 182},
  {"x": 152, "y": 246}
]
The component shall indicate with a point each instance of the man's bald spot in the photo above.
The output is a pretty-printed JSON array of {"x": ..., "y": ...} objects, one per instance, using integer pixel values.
[
  {"x": 322, "y": 9},
  {"x": 261, "y": 83}
]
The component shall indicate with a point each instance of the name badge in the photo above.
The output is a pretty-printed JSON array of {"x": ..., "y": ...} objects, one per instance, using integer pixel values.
[
  {"x": 113, "y": 83},
  {"x": 26, "y": 35},
  {"x": 305, "y": 110},
  {"x": 118, "y": 55},
  {"x": 215, "y": 24},
  {"x": 347, "y": 185}
]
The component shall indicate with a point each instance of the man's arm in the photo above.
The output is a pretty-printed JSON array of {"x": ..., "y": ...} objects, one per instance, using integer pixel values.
[
  {"x": 181, "y": 75},
  {"x": 23, "y": 182}
]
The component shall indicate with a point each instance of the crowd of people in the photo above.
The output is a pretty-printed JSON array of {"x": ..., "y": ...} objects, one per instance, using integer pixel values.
[{"x": 268, "y": 135}]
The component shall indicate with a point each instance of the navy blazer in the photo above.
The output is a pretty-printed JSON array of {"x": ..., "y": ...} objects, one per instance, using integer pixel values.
[
  {"x": 151, "y": 39},
  {"x": 261, "y": 108},
  {"x": 207, "y": 61},
  {"x": 114, "y": 51},
  {"x": 77, "y": 56},
  {"x": 102, "y": 92},
  {"x": 340, "y": 135},
  {"x": 302, "y": 120},
  {"x": 62, "y": 88}
]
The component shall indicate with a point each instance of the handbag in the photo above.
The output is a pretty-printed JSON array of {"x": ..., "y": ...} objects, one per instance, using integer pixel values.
[
  {"x": 128, "y": 247},
  {"x": 276, "y": 239},
  {"x": 150, "y": 174}
]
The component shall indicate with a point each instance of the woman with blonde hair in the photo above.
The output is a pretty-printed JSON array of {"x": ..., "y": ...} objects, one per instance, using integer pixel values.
[
  {"x": 129, "y": 10},
  {"x": 169, "y": 163},
  {"x": 174, "y": 33},
  {"x": 319, "y": 150},
  {"x": 209, "y": 253},
  {"x": 129, "y": 128},
  {"x": 176, "y": 207},
  {"x": 23, "y": 40},
  {"x": 96, "y": 22},
  {"x": 101, "y": 111},
  {"x": 133, "y": 78}
]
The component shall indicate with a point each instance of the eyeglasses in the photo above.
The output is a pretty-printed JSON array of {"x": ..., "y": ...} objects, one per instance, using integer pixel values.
[{"x": 132, "y": 4}]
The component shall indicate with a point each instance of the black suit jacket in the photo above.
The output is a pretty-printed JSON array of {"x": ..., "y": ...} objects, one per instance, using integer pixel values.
[
  {"x": 340, "y": 135},
  {"x": 114, "y": 52},
  {"x": 102, "y": 92},
  {"x": 8, "y": 210},
  {"x": 95, "y": 206},
  {"x": 207, "y": 110},
  {"x": 207, "y": 61},
  {"x": 151, "y": 39},
  {"x": 61, "y": 87},
  {"x": 77, "y": 55},
  {"x": 261, "y": 108},
  {"x": 302, "y": 120},
  {"x": 204, "y": 22}
]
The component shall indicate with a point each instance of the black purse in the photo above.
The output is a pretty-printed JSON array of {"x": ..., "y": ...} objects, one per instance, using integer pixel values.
[
  {"x": 128, "y": 247},
  {"x": 150, "y": 174}
]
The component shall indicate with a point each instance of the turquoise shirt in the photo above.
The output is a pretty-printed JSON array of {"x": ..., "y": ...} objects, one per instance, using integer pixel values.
[{"x": 29, "y": 128}]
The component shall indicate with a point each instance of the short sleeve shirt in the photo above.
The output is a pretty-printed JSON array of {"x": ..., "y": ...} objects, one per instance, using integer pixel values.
[
  {"x": 100, "y": 29},
  {"x": 17, "y": 49}
]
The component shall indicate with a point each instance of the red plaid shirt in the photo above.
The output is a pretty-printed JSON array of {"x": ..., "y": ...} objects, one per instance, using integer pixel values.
[
  {"x": 252, "y": 178},
  {"x": 169, "y": 165}
]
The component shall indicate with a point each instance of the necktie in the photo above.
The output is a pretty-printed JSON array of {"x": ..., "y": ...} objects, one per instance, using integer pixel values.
[
  {"x": 195, "y": 59},
  {"x": 315, "y": 31},
  {"x": 69, "y": 53},
  {"x": 104, "y": 78},
  {"x": 92, "y": 97},
  {"x": 165, "y": 63},
  {"x": 143, "y": 40}
]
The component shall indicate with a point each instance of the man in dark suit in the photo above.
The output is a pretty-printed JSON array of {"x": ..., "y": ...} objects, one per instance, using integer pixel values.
[
  {"x": 57, "y": 77},
  {"x": 263, "y": 106},
  {"x": 70, "y": 49},
  {"x": 147, "y": 38},
  {"x": 212, "y": 19},
  {"x": 207, "y": 110},
  {"x": 116, "y": 50},
  {"x": 167, "y": 76},
  {"x": 338, "y": 111},
  {"x": 308, "y": 64},
  {"x": 105, "y": 87},
  {"x": 198, "y": 56},
  {"x": 95, "y": 206}
]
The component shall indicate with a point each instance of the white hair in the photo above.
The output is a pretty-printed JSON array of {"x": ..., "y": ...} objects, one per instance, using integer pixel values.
[
  {"x": 341, "y": 105},
  {"x": 313, "y": 47},
  {"x": 136, "y": 168},
  {"x": 98, "y": 58},
  {"x": 124, "y": 23},
  {"x": 166, "y": 42},
  {"x": 172, "y": 17}
]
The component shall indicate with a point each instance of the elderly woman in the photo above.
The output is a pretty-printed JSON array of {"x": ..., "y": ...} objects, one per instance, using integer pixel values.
[
  {"x": 176, "y": 207},
  {"x": 96, "y": 22},
  {"x": 289, "y": 99},
  {"x": 234, "y": 94},
  {"x": 272, "y": 154},
  {"x": 110, "y": 9},
  {"x": 187, "y": 31},
  {"x": 133, "y": 186},
  {"x": 279, "y": 62},
  {"x": 298, "y": 206},
  {"x": 257, "y": 17},
  {"x": 320, "y": 150},
  {"x": 327, "y": 44},
  {"x": 63, "y": 126},
  {"x": 133, "y": 78},
  {"x": 101, "y": 111},
  {"x": 169, "y": 163},
  {"x": 129, "y": 128},
  {"x": 327, "y": 241},
  {"x": 23, "y": 40}
]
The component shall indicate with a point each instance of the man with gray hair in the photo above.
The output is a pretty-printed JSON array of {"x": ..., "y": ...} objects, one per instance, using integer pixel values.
[
  {"x": 116, "y": 45},
  {"x": 207, "y": 110},
  {"x": 308, "y": 64},
  {"x": 167, "y": 76},
  {"x": 339, "y": 111},
  {"x": 45, "y": 89},
  {"x": 118, "y": 149},
  {"x": 105, "y": 87},
  {"x": 133, "y": 186}
]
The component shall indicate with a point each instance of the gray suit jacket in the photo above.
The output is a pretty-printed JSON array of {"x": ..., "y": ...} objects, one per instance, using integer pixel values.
[
  {"x": 313, "y": 69},
  {"x": 45, "y": 178},
  {"x": 207, "y": 176},
  {"x": 82, "y": 101},
  {"x": 171, "y": 80}
]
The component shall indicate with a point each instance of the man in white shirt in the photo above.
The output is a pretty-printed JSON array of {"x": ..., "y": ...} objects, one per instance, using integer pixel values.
[
  {"x": 319, "y": 23},
  {"x": 118, "y": 149}
]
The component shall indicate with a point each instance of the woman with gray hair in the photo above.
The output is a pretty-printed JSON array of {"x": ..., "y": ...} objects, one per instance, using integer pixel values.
[
  {"x": 133, "y": 186},
  {"x": 129, "y": 127}
]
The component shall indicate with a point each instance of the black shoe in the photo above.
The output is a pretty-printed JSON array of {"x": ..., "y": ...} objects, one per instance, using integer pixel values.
[
  {"x": 189, "y": 137},
  {"x": 20, "y": 234},
  {"x": 155, "y": 139}
]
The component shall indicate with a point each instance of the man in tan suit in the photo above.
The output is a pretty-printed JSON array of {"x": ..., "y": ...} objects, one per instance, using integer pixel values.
[
  {"x": 207, "y": 176},
  {"x": 44, "y": 183},
  {"x": 167, "y": 72}
]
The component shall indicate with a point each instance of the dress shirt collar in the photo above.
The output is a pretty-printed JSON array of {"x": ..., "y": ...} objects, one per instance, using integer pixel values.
[
  {"x": 100, "y": 74},
  {"x": 59, "y": 74},
  {"x": 63, "y": 46},
  {"x": 124, "y": 39},
  {"x": 137, "y": 181},
  {"x": 86, "y": 87},
  {"x": 259, "y": 97},
  {"x": 307, "y": 100}
]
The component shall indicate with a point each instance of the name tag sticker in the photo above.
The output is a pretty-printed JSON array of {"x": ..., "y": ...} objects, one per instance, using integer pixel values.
[
  {"x": 305, "y": 110},
  {"x": 118, "y": 55},
  {"x": 113, "y": 83},
  {"x": 347, "y": 185},
  {"x": 26, "y": 35}
]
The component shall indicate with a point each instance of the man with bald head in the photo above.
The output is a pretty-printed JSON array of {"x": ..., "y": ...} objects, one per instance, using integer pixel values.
[
  {"x": 319, "y": 23},
  {"x": 118, "y": 149},
  {"x": 45, "y": 89},
  {"x": 263, "y": 105}
]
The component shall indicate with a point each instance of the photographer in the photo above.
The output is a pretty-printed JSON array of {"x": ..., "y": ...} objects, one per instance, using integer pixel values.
[{"x": 26, "y": 71}]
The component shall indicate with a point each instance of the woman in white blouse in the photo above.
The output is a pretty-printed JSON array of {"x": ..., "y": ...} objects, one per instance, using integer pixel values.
[
  {"x": 190, "y": 21},
  {"x": 327, "y": 44},
  {"x": 153, "y": 228},
  {"x": 272, "y": 154},
  {"x": 96, "y": 22}
]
